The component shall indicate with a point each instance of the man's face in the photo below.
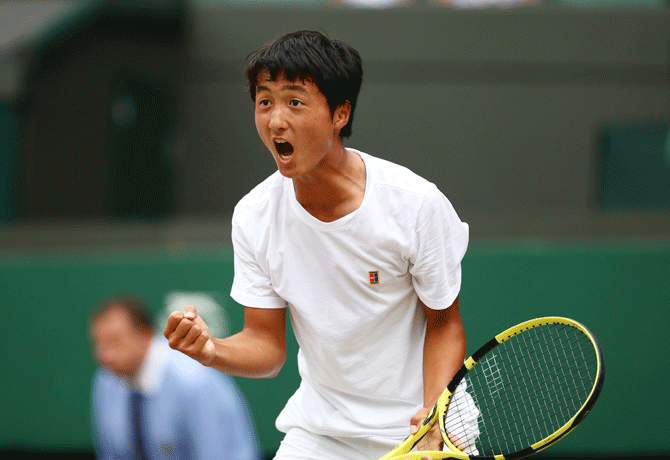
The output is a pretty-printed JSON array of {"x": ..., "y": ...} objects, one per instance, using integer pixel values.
[
  {"x": 117, "y": 344},
  {"x": 294, "y": 122}
]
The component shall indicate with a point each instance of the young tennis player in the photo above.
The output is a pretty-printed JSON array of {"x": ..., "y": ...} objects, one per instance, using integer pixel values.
[{"x": 364, "y": 254}]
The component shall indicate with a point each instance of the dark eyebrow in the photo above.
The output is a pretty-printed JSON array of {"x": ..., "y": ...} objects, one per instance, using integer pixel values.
[{"x": 294, "y": 87}]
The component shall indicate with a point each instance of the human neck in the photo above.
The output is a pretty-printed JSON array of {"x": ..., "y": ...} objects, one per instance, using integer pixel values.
[{"x": 336, "y": 190}]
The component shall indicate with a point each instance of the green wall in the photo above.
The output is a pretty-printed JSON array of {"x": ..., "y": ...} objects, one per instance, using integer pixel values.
[{"x": 620, "y": 291}]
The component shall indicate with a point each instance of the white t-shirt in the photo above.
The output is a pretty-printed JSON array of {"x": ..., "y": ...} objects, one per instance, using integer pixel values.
[{"x": 351, "y": 288}]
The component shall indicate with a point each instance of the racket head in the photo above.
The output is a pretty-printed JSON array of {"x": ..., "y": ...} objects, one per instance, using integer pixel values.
[
  {"x": 530, "y": 336},
  {"x": 532, "y": 384}
]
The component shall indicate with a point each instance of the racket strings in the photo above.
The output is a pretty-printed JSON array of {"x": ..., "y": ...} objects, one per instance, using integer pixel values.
[
  {"x": 560, "y": 407},
  {"x": 523, "y": 391}
]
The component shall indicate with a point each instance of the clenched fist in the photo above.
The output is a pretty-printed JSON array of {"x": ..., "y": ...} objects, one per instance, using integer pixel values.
[{"x": 188, "y": 333}]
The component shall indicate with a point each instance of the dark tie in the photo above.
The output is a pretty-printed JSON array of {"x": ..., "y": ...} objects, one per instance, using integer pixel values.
[{"x": 136, "y": 425}]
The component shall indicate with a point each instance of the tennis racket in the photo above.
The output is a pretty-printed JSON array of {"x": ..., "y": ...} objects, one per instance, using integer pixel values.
[{"x": 519, "y": 393}]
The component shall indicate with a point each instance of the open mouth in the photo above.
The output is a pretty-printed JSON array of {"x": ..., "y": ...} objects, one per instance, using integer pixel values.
[{"x": 284, "y": 149}]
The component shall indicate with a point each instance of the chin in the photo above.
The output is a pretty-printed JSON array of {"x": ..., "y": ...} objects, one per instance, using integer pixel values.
[
  {"x": 287, "y": 174},
  {"x": 287, "y": 171}
]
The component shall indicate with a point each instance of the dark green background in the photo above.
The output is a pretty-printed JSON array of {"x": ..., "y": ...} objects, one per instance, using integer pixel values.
[{"x": 620, "y": 291}]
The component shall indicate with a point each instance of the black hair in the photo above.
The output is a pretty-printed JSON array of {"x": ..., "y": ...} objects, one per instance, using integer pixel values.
[{"x": 333, "y": 66}]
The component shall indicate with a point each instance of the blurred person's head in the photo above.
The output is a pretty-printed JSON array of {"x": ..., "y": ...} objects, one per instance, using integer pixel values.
[
  {"x": 121, "y": 332},
  {"x": 333, "y": 66}
]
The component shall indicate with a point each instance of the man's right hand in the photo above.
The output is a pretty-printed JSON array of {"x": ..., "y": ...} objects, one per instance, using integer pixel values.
[{"x": 187, "y": 332}]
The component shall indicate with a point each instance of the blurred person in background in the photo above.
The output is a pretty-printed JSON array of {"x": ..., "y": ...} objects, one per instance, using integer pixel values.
[{"x": 151, "y": 402}]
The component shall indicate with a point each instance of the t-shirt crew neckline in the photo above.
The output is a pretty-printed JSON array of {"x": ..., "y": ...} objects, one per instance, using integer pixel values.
[{"x": 342, "y": 221}]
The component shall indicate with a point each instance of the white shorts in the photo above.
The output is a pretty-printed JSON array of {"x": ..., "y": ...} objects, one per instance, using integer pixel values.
[{"x": 299, "y": 444}]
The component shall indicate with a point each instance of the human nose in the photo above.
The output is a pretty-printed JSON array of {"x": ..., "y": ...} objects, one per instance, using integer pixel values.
[{"x": 277, "y": 119}]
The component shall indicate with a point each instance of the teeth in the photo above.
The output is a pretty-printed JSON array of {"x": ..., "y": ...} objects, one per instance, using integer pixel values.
[{"x": 283, "y": 148}]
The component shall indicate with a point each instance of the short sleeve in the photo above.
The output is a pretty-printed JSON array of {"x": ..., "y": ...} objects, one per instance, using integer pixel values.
[
  {"x": 440, "y": 245},
  {"x": 252, "y": 286}
]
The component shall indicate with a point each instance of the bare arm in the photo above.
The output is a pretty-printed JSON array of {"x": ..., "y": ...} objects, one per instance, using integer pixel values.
[
  {"x": 259, "y": 350},
  {"x": 443, "y": 350},
  {"x": 443, "y": 354}
]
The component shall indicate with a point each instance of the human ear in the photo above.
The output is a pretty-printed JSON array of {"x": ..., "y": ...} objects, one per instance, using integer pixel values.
[{"x": 341, "y": 115}]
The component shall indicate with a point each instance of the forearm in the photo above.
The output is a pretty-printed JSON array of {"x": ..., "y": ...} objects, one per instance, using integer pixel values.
[
  {"x": 443, "y": 353},
  {"x": 249, "y": 353},
  {"x": 259, "y": 350}
]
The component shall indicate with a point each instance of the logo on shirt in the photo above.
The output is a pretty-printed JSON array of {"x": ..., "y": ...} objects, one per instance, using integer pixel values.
[{"x": 374, "y": 277}]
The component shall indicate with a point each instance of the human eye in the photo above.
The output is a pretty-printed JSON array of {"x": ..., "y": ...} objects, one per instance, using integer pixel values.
[
  {"x": 263, "y": 102},
  {"x": 295, "y": 103}
]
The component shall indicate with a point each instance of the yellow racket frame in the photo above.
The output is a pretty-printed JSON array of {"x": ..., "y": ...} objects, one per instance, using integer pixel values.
[{"x": 402, "y": 450}]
